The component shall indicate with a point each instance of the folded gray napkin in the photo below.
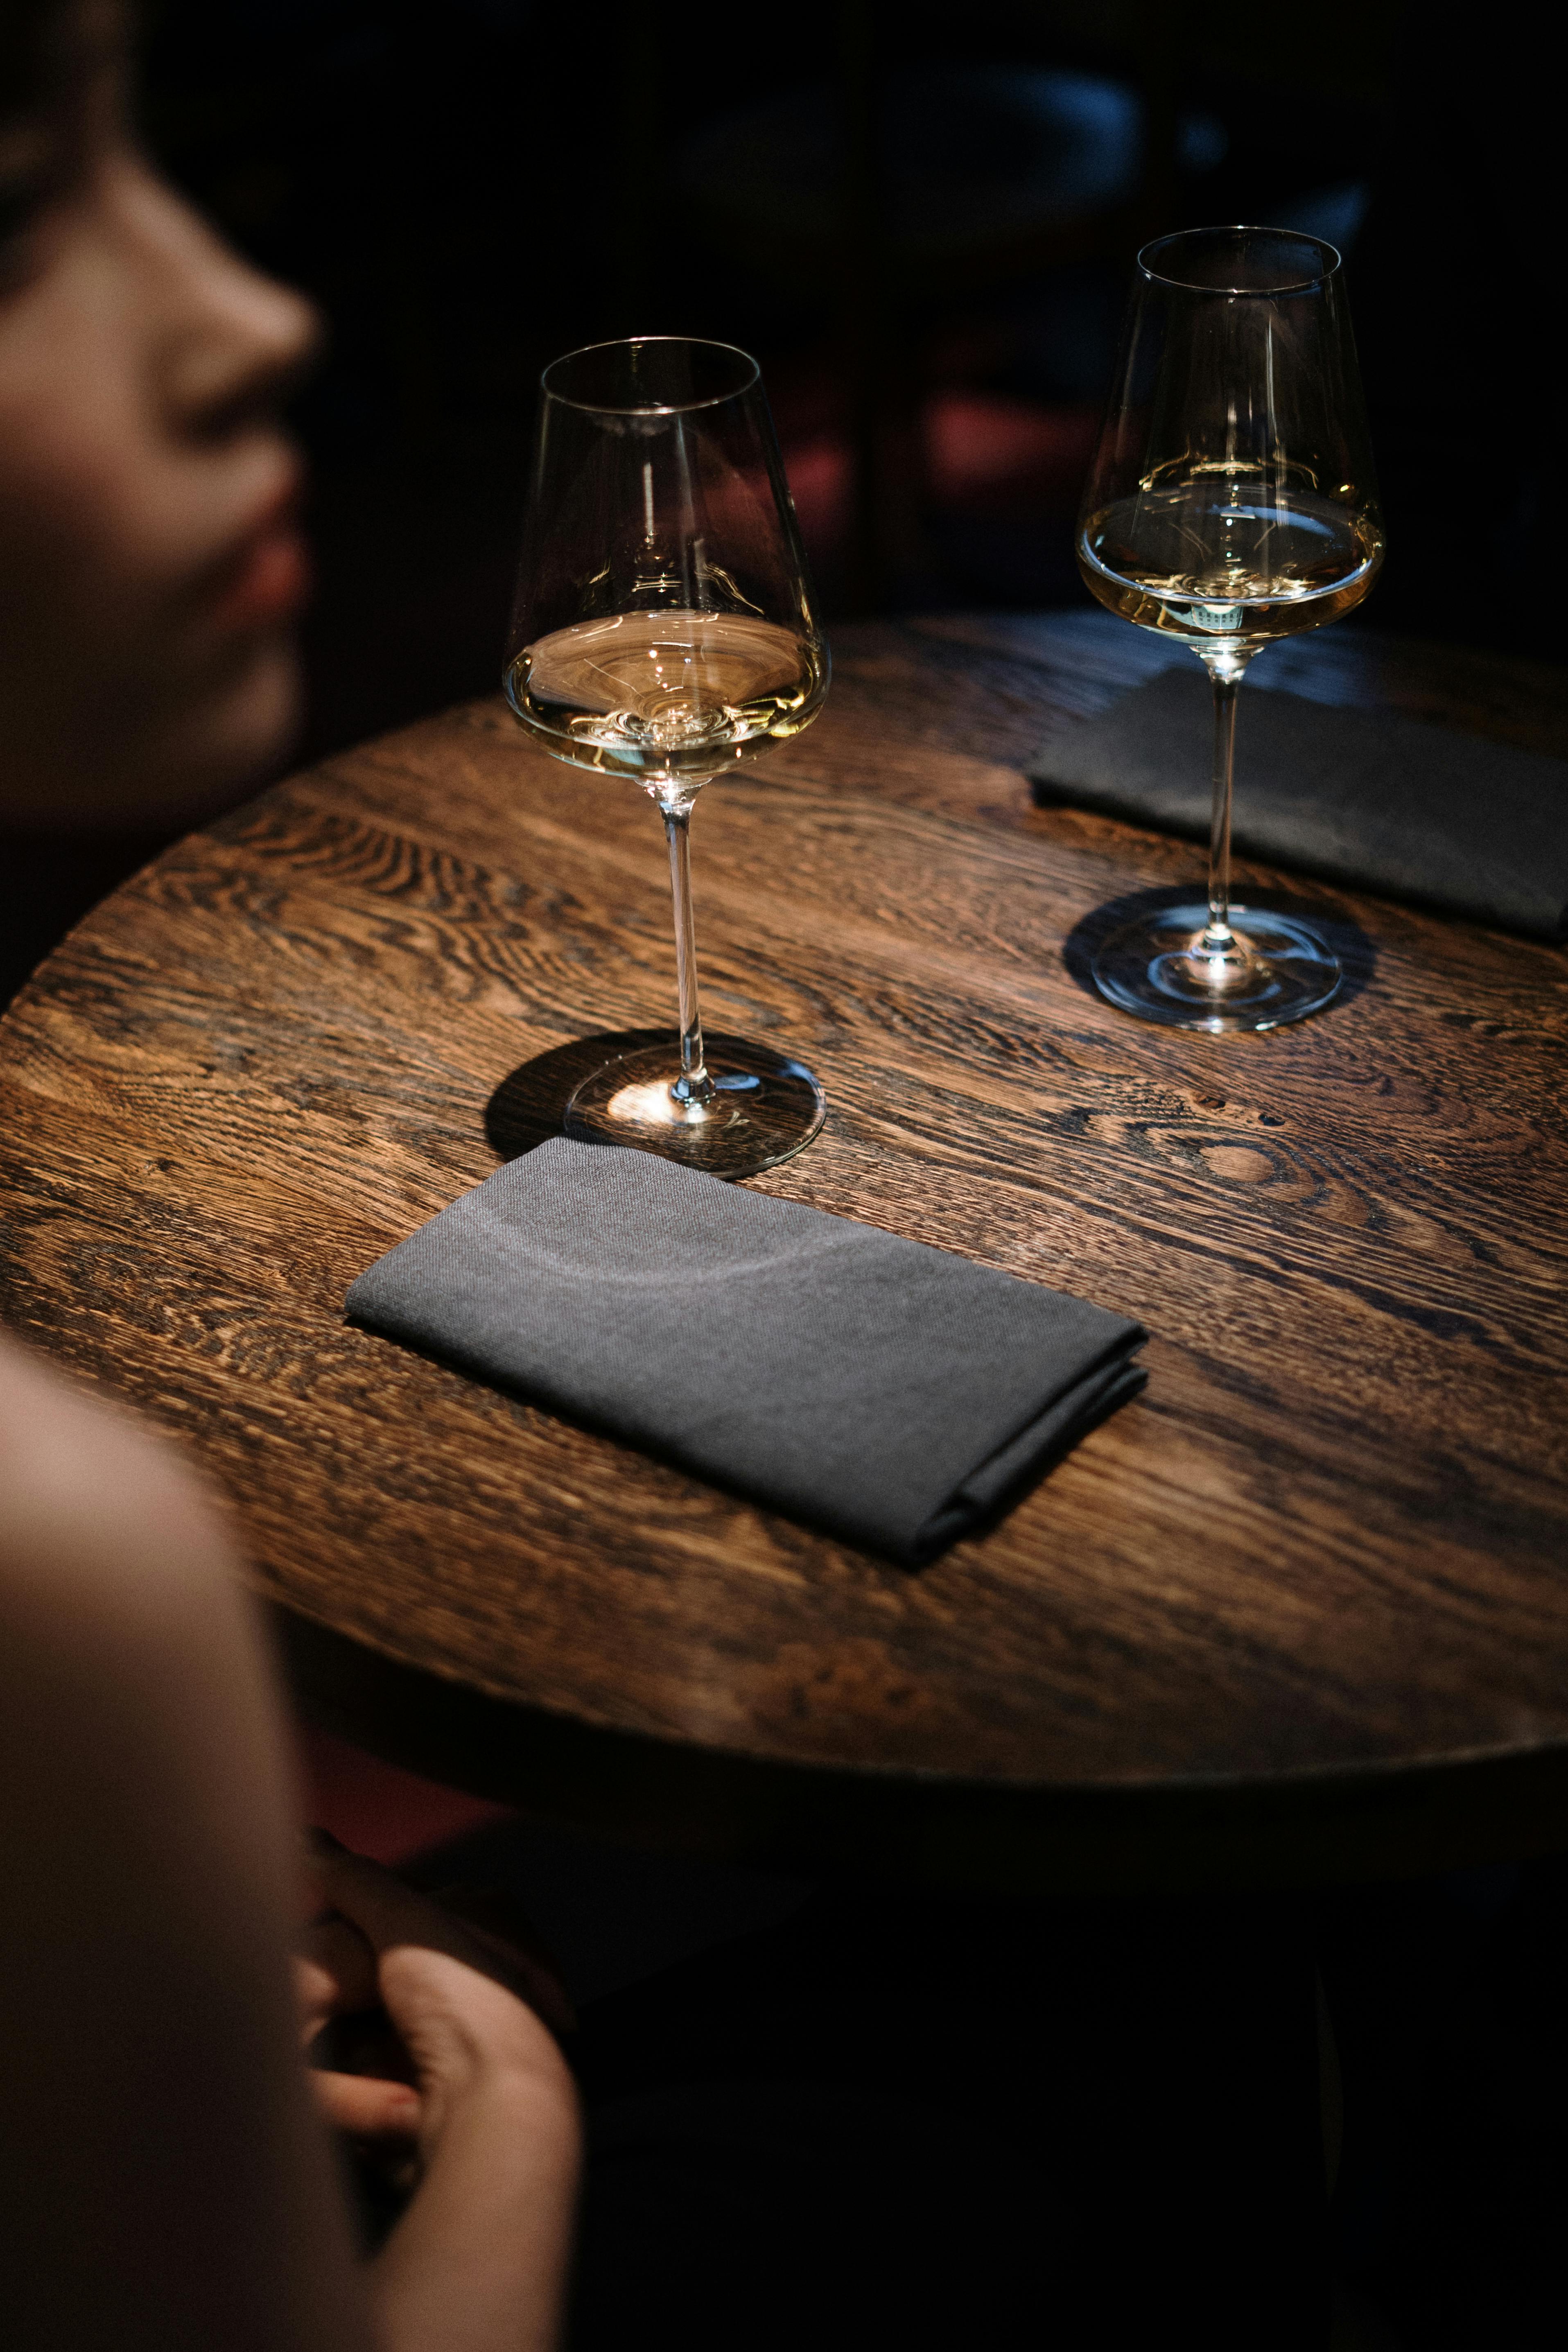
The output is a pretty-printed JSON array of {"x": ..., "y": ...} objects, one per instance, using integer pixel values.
[
  {"x": 1382, "y": 803},
  {"x": 893, "y": 1394}
]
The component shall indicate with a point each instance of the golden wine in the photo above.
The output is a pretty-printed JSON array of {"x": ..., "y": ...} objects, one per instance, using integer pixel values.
[
  {"x": 666, "y": 693},
  {"x": 1229, "y": 558}
]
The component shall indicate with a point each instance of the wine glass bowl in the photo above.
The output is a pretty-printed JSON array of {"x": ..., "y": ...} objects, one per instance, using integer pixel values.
[
  {"x": 1232, "y": 502},
  {"x": 663, "y": 632}
]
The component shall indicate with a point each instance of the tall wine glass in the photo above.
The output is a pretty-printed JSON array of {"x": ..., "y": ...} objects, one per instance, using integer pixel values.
[
  {"x": 1232, "y": 501},
  {"x": 662, "y": 631}
]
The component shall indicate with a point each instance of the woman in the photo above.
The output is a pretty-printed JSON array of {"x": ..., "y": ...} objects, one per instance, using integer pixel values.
[{"x": 163, "y": 2182}]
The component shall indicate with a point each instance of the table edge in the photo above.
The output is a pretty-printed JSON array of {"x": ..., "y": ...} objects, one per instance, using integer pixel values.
[{"x": 1314, "y": 1825}]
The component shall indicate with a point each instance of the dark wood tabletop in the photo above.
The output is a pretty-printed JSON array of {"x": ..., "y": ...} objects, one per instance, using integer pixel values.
[{"x": 1301, "y": 1611}]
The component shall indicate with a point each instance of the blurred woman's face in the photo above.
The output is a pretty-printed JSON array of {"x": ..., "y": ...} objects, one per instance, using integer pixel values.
[{"x": 151, "y": 564}]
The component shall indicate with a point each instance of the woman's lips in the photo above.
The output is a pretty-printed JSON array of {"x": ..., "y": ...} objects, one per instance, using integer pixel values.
[{"x": 268, "y": 581}]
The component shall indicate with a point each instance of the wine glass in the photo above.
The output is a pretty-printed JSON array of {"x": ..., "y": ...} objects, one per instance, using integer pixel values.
[
  {"x": 662, "y": 631},
  {"x": 1232, "y": 501}
]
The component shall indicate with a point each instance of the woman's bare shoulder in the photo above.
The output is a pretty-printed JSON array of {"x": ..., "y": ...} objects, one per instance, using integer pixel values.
[
  {"x": 89, "y": 1498},
  {"x": 132, "y": 1688}
]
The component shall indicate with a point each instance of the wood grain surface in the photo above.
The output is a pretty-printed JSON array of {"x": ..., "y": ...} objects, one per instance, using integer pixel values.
[{"x": 1302, "y": 1610}]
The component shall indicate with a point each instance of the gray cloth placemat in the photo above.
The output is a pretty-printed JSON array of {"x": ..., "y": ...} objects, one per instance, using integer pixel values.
[
  {"x": 891, "y": 1394},
  {"x": 1382, "y": 803}
]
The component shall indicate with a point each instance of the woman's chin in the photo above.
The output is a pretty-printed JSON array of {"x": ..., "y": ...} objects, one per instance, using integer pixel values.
[
  {"x": 179, "y": 761},
  {"x": 227, "y": 747},
  {"x": 96, "y": 758}
]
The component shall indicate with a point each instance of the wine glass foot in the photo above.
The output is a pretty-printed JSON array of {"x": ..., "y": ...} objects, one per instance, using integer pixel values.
[
  {"x": 763, "y": 1108},
  {"x": 1155, "y": 969}
]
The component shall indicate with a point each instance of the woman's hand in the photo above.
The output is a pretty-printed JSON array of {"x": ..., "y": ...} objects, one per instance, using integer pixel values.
[
  {"x": 464, "y": 2068},
  {"x": 429, "y": 1998}
]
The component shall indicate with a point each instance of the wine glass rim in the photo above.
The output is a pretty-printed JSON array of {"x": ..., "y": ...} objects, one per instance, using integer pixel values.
[
  {"x": 650, "y": 407},
  {"x": 1319, "y": 246}
]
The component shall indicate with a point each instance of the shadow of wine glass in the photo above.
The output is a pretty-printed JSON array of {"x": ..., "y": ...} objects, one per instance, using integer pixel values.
[
  {"x": 529, "y": 1106},
  {"x": 1355, "y": 948}
]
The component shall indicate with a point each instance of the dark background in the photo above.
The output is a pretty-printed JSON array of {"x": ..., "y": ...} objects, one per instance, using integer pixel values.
[{"x": 921, "y": 220}]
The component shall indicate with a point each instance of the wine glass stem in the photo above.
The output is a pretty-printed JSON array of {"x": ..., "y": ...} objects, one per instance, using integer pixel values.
[
  {"x": 693, "y": 1084},
  {"x": 1218, "y": 936}
]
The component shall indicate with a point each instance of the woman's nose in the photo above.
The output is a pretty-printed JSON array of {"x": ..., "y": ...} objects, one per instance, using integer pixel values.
[{"x": 229, "y": 343}]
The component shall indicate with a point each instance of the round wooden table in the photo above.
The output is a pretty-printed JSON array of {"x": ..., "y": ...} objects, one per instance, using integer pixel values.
[{"x": 1300, "y": 1612}]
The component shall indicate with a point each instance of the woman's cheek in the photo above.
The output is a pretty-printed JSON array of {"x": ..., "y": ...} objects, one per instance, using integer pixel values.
[{"x": 82, "y": 479}]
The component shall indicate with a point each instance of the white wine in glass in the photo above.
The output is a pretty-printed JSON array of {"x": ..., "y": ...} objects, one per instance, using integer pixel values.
[
  {"x": 1232, "y": 501},
  {"x": 660, "y": 696},
  {"x": 663, "y": 632}
]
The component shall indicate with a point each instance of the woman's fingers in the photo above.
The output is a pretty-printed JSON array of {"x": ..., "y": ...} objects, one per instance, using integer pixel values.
[
  {"x": 504, "y": 1930},
  {"x": 499, "y": 1943},
  {"x": 385, "y": 1911},
  {"x": 334, "y": 1974},
  {"x": 463, "y": 2007},
  {"x": 365, "y": 2106}
]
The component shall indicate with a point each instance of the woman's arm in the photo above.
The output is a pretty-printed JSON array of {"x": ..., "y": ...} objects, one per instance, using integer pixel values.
[{"x": 163, "y": 2181}]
